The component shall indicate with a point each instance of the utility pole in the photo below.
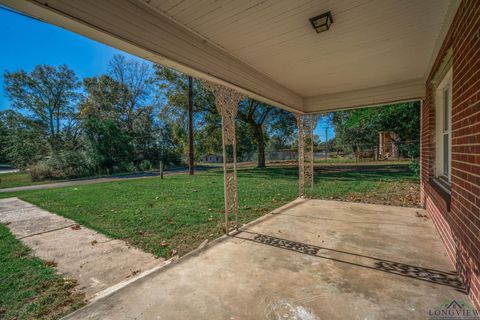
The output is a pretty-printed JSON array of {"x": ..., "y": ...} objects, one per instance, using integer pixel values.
[
  {"x": 161, "y": 169},
  {"x": 190, "y": 126},
  {"x": 326, "y": 143},
  {"x": 160, "y": 157}
]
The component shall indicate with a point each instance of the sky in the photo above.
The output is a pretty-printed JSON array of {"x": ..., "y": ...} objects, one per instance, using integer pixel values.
[{"x": 27, "y": 42}]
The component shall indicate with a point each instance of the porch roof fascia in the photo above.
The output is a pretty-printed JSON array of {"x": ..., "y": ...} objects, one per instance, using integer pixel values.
[
  {"x": 452, "y": 10},
  {"x": 394, "y": 93}
]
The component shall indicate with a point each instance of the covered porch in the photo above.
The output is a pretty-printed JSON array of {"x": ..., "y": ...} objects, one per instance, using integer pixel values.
[
  {"x": 314, "y": 259},
  {"x": 310, "y": 259}
]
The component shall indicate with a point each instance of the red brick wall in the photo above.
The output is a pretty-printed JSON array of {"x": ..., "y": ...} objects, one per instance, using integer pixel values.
[{"x": 459, "y": 225}]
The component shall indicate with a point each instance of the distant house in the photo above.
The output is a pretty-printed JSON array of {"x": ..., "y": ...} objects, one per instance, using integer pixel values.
[
  {"x": 212, "y": 158},
  {"x": 388, "y": 145}
]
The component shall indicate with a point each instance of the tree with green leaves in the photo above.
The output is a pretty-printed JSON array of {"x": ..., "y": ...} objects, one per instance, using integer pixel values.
[
  {"x": 125, "y": 98},
  {"x": 108, "y": 147},
  {"x": 135, "y": 79},
  {"x": 48, "y": 96},
  {"x": 22, "y": 139},
  {"x": 172, "y": 90},
  {"x": 361, "y": 126},
  {"x": 258, "y": 115},
  {"x": 3, "y": 141},
  {"x": 260, "y": 119},
  {"x": 101, "y": 98}
]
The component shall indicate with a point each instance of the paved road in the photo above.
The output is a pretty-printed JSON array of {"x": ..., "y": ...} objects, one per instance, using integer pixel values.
[
  {"x": 8, "y": 170},
  {"x": 121, "y": 177}
]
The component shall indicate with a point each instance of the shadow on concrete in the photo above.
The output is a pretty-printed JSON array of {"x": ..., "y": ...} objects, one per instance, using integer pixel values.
[
  {"x": 350, "y": 221},
  {"x": 450, "y": 279}
]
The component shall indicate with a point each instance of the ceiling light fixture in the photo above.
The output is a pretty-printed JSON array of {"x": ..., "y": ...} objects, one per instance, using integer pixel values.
[{"x": 322, "y": 22}]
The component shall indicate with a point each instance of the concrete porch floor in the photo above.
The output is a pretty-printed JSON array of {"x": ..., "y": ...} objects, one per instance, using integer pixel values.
[{"x": 311, "y": 259}]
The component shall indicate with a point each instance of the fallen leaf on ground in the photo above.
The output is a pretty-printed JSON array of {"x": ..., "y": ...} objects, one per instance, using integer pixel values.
[
  {"x": 76, "y": 227},
  {"x": 164, "y": 244},
  {"x": 135, "y": 272},
  {"x": 94, "y": 242},
  {"x": 419, "y": 215},
  {"x": 50, "y": 263}
]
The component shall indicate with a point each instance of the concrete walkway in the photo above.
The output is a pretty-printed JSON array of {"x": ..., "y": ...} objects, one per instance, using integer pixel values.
[
  {"x": 309, "y": 260},
  {"x": 94, "y": 260},
  {"x": 120, "y": 177}
]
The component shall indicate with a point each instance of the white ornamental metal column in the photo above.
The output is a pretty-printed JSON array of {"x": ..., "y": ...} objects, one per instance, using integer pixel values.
[
  {"x": 226, "y": 101},
  {"x": 306, "y": 124}
]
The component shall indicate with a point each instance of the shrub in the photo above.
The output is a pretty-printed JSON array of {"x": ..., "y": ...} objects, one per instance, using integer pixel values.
[
  {"x": 107, "y": 145},
  {"x": 145, "y": 165},
  {"x": 414, "y": 166},
  {"x": 41, "y": 171},
  {"x": 63, "y": 165}
]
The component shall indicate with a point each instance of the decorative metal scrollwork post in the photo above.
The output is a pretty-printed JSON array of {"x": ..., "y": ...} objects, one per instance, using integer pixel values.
[
  {"x": 226, "y": 101},
  {"x": 306, "y": 124},
  {"x": 301, "y": 155}
]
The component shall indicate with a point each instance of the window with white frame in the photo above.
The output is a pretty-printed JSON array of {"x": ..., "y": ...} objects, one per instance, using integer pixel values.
[{"x": 443, "y": 125}]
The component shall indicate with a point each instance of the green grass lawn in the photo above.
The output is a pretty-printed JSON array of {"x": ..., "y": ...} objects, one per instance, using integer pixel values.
[
  {"x": 15, "y": 179},
  {"x": 28, "y": 288},
  {"x": 20, "y": 179}
]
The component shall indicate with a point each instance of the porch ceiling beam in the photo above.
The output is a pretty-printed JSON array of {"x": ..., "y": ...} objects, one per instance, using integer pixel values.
[
  {"x": 398, "y": 92},
  {"x": 135, "y": 27}
]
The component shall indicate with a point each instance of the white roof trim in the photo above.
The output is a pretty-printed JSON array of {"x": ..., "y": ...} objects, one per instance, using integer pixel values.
[
  {"x": 398, "y": 92},
  {"x": 452, "y": 11}
]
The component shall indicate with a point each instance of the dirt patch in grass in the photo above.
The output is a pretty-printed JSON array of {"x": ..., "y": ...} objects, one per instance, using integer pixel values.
[
  {"x": 373, "y": 168},
  {"x": 402, "y": 194},
  {"x": 392, "y": 184}
]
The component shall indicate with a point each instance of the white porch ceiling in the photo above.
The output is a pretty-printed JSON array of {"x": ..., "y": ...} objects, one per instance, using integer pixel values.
[
  {"x": 371, "y": 43},
  {"x": 376, "y": 51}
]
